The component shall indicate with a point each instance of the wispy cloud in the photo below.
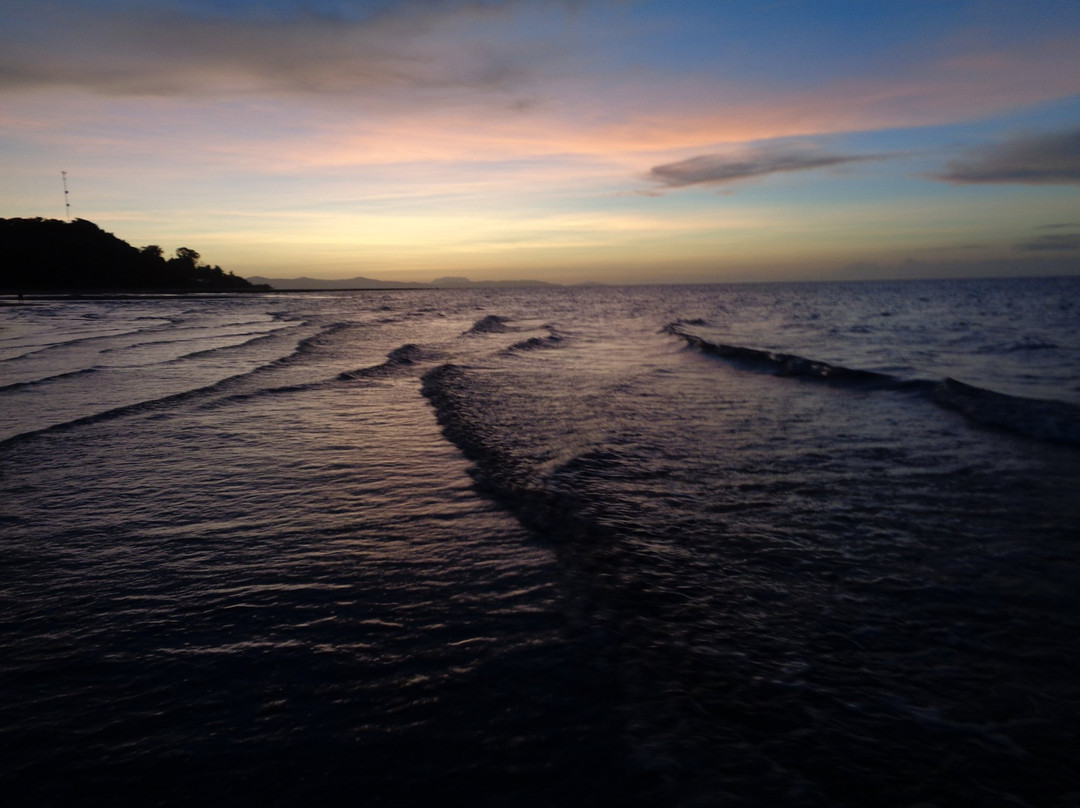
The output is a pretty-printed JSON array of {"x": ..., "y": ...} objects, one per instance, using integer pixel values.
[
  {"x": 120, "y": 48},
  {"x": 1054, "y": 237},
  {"x": 1048, "y": 159},
  {"x": 220, "y": 116},
  {"x": 1058, "y": 242},
  {"x": 716, "y": 169}
]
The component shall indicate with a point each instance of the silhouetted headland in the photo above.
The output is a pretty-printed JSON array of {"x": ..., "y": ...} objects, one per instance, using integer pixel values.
[{"x": 49, "y": 256}]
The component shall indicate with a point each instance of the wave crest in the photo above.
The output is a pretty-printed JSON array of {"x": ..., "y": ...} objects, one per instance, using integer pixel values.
[
  {"x": 492, "y": 324},
  {"x": 1043, "y": 419},
  {"x": 405, "y": 356},
  {"x": 784, "y": 364}
]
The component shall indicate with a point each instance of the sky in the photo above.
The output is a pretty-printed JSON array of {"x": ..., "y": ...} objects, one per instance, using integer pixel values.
[{"x": 619, "y": 141}]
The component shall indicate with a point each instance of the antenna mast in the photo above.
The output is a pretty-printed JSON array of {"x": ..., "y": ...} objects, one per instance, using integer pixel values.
[{"x": 67, "y": 200}]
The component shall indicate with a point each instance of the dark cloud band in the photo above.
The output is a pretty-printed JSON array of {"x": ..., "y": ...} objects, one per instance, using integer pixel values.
[
  {"x": 1051, "y": 159},
  {"x": 120, "y": 47},
  {"x": 715, "y": 169},
  {"x": 1056, "y": 243}
]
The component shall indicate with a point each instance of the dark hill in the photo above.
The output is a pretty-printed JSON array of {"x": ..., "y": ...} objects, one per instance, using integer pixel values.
[{"x": 49, "y": 255}]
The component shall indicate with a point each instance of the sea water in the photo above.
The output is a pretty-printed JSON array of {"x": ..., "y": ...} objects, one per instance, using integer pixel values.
[{"x": 758, "y": 545}]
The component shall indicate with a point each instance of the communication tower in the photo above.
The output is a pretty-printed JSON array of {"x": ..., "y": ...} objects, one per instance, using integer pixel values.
[{"x": 67, "y": 199}]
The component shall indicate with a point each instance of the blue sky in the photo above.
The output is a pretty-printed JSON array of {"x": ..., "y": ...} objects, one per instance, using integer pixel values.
[{"x": 566, "y": 141}]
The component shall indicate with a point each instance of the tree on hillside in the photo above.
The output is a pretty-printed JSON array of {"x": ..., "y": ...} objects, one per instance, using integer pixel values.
[
  {"x": 187, "y": 256},
  {"x": 52, "y": 255}
]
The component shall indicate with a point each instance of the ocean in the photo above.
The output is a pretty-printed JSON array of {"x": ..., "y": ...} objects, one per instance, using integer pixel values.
[{"x": 723, "y": 545}]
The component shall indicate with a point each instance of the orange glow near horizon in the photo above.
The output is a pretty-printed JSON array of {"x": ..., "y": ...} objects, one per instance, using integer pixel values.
[{"x": 523, "y": 140}]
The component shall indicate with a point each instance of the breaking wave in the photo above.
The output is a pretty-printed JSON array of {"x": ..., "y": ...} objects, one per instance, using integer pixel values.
[
  {"x": 33, "y": 352},
  {"x": 784, "y": 364},
  {"x": 221, "y": 349},
  {"x": 499, "y": 470},
  {"x": 492, "y": 324},
  {"x": 220, "y": 387},
  {"x": 405, "y": 356},
  {"x": 533, "y": 343},
  {"x": 1042, "y": 419},
  {"x": 47, "y": 380},
  {"x": 1048, "y": 420}
]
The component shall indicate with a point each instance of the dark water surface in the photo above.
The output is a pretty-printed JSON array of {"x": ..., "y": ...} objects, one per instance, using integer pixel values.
[{"x": 660, "y": 546}]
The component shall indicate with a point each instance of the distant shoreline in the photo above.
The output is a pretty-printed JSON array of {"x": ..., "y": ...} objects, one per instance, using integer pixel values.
[
  {"x": 8, "y": 298},
  {"x": 12, "y": 299}
]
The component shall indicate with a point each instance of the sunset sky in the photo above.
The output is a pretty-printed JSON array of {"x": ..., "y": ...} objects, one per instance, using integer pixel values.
[{"x": 597, "y": 140}]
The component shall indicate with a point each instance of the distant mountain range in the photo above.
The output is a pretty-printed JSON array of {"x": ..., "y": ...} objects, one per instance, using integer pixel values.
[{"x": 371, "y": 283}]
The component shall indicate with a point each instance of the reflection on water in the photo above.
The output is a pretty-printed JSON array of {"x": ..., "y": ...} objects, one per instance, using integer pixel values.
[{"x": 526, "y": 546}]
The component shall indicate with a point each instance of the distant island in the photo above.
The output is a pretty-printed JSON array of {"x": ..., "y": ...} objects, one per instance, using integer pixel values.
[
  {"x": 359, "y": 282},
  {"x": 43, "y": 256}
]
